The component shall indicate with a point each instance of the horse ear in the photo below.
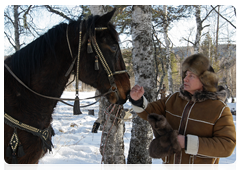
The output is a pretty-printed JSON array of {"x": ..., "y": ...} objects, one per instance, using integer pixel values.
[{"x": 104, "y": 19}]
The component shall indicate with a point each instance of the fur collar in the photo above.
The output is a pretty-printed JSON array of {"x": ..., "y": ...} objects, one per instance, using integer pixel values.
[{"x": 201, "y": 96}]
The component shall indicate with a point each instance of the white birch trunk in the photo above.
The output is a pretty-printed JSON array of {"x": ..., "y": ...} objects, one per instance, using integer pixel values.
[
  {"x": 199, "y": 28},
  {"x": 112, "y": 146},
  {"x": 97, "y": 9},
  {"x": 144, "y": 70},
  {"x": 167, "y": 42},
  {"x": 16, "y": 27}
]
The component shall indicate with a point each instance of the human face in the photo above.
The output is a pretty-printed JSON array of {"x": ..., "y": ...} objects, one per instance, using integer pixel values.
[{"x": 192, "y": 83}]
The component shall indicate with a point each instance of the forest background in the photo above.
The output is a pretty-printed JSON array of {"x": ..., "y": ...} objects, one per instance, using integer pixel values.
[{"x": 217, "y": 39}]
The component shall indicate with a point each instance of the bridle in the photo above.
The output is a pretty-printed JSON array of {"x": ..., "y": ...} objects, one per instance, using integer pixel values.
[{"x": 92, "y": 40}]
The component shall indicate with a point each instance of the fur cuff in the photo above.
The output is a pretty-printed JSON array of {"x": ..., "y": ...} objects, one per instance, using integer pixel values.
[
  {"x": 140, "y": 109},
  {"x": 192, "y": 145}
]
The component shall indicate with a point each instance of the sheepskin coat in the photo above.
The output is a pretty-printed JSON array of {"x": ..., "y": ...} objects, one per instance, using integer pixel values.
[{"x": 209, "y": 125}]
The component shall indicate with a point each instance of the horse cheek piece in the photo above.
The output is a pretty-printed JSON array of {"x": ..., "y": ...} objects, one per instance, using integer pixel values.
[{"x": 113, "y": 88}]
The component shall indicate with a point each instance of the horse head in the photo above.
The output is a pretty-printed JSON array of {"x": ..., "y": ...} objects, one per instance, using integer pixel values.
[{"x": 101, "y": 64}]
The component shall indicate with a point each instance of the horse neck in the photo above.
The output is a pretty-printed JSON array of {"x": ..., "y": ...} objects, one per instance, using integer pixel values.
[{"x": 50, "y": 81}]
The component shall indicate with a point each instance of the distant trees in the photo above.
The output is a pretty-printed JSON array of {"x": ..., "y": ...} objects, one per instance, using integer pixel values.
[{"x": 18, "y": 22}]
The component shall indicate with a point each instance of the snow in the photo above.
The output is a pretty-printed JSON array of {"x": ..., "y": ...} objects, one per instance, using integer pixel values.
[{"x": 74, "y": 143}]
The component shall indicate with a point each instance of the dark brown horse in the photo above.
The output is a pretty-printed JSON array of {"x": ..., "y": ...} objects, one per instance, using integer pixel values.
[{"x": 42, "y": 66}]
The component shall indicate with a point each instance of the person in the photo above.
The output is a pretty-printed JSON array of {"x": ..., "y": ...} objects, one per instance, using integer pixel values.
[{"x": 206, "y": 131}]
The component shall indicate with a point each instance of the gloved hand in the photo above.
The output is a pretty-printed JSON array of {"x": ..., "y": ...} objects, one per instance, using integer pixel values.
[{"x": 165, "y": 142}]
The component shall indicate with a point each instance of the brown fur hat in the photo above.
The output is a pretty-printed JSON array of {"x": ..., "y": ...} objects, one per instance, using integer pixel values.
[
  {"x": 165, "y": 142},
  {"x": 200, "y": 66}
]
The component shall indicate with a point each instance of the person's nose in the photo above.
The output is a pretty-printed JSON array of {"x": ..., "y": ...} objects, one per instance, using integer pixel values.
[{"x": 185, "y": 79}]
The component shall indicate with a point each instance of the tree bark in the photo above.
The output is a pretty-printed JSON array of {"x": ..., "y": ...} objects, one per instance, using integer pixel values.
[
  {"x": 112, "y": 143},
  {"x": 167, "y": 42},
  {"x": 97, "y": 9},
  {"x": 144, "y": 70},
  {"x": 217, "y": 32},
  {"x": 199, "y": 28},
  {"x": 16, "y": 27}
]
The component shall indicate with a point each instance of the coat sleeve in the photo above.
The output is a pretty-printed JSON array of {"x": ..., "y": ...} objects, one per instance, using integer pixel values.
[
  {"x": 153, "y": 107},
  {"x": 221, "y": 144}
]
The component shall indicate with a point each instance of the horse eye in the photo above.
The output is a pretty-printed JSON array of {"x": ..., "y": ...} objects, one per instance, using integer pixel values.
[{"x": 114, "y": 47}]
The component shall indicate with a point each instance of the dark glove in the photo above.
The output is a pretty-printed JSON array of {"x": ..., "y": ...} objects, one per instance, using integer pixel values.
[{"x": 165, "y": 142}]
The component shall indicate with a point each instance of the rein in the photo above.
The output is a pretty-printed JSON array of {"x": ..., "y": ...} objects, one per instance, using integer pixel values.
[{"x": 49, "y": 97}]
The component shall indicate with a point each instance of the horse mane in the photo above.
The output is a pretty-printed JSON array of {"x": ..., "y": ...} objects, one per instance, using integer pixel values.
[{"x": 28, "y": 60}]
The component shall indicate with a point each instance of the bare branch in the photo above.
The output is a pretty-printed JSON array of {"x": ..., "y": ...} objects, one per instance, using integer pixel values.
[
  {"x": 235, "y": 11},
  {"x": 25, "y": 16},
  {"x": 205, "y": 26},
  {"x": 213, "y": 8},
  {"x": 9, "y": 40},
  {"x": 50, "y": 9},
  {"x": 7, "y": 16},
  {"x": 188, "y": 41},
  {"x": 224, "y": 17},
  {"x": 125, "y": 41}
]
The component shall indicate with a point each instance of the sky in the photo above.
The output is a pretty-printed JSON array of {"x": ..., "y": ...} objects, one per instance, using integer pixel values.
[{"x": 179, "y": 29}]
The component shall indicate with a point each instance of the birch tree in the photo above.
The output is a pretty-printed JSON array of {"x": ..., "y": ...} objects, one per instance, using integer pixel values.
[
  {"x": 112, "y": 144},
  {"x": 143, "y": 65},
  {"x": 168, "y": 49},
  {"x": 199, "y": 28},
  {"x": 18, "y": 24}
]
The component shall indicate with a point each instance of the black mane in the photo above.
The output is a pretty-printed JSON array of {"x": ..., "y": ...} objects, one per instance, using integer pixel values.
[{"x": 28, "y": 60}]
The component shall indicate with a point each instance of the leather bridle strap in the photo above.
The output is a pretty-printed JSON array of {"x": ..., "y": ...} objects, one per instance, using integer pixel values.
[{"x": 44, "y": 96}]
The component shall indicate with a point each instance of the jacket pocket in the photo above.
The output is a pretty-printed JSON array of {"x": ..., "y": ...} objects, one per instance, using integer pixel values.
[{"x": 201, "y": 162}]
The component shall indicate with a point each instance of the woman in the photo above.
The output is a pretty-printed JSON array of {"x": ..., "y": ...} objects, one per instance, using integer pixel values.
[{"x": 206, "y": 131}]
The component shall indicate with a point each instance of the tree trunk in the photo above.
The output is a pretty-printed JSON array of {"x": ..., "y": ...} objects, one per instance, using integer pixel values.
[
  {"x": 199, "y": 28},
  {"x": 16, "y": 27},
  {"x": 217, "y": 32},
  {"x": 112, "y": 143},
  {"x": 97, "y": 9},
  {"x": 144, "y": 70},
  {"x": 167, "y": 42}
]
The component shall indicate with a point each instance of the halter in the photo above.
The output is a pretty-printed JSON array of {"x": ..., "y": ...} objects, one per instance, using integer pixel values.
[{"x": 99, "y": 55}]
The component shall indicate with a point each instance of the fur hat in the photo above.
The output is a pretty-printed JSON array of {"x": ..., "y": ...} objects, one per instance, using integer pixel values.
[{"x": 200, "y": 66}]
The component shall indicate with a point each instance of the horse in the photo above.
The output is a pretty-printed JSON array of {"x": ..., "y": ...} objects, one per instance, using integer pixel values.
[{"x": 43, "y": 67}]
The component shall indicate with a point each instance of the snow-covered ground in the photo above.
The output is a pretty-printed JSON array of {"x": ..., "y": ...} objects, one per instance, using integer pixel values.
[{"x": 75, "y": 144}]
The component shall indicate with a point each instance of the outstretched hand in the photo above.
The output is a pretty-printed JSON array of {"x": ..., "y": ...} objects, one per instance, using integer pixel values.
[{"x": 137, "y": 92}]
